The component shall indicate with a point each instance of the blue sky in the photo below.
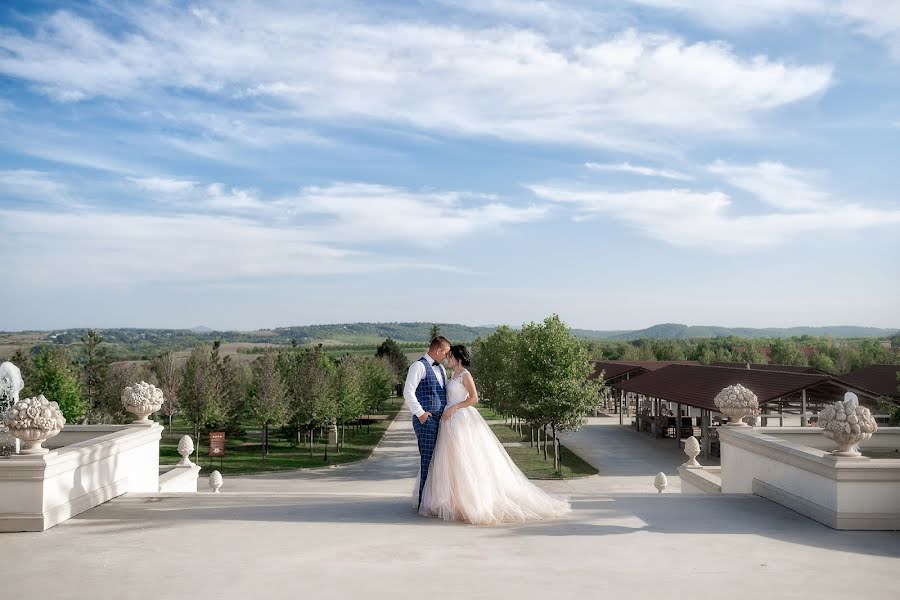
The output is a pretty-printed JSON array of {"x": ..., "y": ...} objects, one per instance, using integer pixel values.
[{"x": 170, "y": 164}]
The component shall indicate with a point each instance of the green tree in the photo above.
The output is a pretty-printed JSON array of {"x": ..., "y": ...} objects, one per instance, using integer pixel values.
[
  {"x": 495, "y": 368},
  {"x": 752, "y": 355},
  {"x": 435, "y": 331},
  {"x": 202, "y": 389},
  {"x": 109, "y": 407},
  {"x": 377, "y": 385},
  {"x": 786, "y": 352},
  {"x": 554, "y": 370},
  {"x": 390, "y": 350},
  {"x": 269, "y": 403},
  {"x": 347, "y": 390},
  {"x": 823, "y": 362},
  {"x": 94, "y": 372},
  {"x": 56, "y": 377},
  {"x": 168, "y": 377},
  {"x": 308, "y": 373}
]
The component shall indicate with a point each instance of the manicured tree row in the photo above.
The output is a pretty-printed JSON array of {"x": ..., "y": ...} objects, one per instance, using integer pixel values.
[{"x": 537, "y": 377}]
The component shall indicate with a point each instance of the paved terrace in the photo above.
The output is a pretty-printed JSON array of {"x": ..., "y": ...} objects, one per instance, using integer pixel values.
[{"x": 351, "y": 532}]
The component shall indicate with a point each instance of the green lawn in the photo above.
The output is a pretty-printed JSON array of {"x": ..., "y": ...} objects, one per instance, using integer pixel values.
[
  {"x": 532, "y": 462},
  {"x": 243, "y": 454},
  {"x": 487, "y": 412}
]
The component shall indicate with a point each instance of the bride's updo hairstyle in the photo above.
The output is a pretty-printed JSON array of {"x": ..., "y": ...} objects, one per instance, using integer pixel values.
[{"x": 461, "y": 353}]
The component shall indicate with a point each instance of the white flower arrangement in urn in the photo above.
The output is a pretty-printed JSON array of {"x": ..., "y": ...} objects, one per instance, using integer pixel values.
[
  {"x": 737, "y": 402},
  {"x": 34, "y": 420},
  {"x": 142, "y": 400},
  {"x": 848, "y": 424}
]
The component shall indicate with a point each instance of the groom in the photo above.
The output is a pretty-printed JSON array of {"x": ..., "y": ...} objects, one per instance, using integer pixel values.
[{"x": 425, "y": 394}]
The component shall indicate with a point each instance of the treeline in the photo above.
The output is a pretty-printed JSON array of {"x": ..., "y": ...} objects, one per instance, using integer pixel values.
[
  {"x": 143, "y": 344},
  {"x": 298, "y": 389},
  {"x": 827, "y": 354},
  {"x": 340, "y": 349},
  {"x": 537, "y": 377}
]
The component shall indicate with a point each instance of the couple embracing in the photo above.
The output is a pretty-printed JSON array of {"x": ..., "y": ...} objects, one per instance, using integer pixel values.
[{"x": 465, "y": 473}]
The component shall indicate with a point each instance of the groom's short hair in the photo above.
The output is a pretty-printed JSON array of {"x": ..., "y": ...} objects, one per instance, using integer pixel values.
[{"x": 438, "y": 342}]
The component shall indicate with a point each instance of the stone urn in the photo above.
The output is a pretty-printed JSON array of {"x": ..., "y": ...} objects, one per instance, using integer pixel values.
[
  {"x": 34, "y": 421},
  {"x": 142, "y": 400},
  {"x": 848, "y": 424},
  {"x": 737, "y": 402}
]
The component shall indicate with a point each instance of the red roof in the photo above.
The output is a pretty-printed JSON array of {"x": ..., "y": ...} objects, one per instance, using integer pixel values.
[
  {"x": 881, "y": 379},
  {"x": 767, "y": 367},
  {"x": 617, "y": 368}
]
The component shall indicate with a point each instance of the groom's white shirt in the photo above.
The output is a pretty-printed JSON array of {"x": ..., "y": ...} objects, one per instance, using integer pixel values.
[{"x": 414, "y": 377}]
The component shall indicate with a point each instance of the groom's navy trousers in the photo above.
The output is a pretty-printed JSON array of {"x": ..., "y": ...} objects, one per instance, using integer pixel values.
[{"x": 433, "y": 398}]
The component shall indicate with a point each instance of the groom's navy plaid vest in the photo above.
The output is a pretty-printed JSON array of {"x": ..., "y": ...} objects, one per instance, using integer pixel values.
[{"x": 430, "y": 393}]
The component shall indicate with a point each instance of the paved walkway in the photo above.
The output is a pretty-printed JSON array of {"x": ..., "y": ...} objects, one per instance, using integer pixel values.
[
  {"x": 628, "y": 461},
  {"x": 351, "y": 532}
]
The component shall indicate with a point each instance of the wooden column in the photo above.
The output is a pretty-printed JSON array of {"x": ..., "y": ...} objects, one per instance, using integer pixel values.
[
  {"x": 803, "y": 420},
  {"x": 677, "y": 423},
  {"x": 704, "y": 431},
  {"x": 621, "y": 405}
]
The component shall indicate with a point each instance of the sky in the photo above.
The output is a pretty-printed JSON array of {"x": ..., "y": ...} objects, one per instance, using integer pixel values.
[{"x": 243, "y": 165}]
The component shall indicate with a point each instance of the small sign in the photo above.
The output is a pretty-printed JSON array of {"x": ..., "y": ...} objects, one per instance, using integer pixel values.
[{"x": 217, "y": 443}]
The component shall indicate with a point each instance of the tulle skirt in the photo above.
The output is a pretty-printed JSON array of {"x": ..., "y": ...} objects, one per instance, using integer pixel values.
[{"x": 472, "y": 478}]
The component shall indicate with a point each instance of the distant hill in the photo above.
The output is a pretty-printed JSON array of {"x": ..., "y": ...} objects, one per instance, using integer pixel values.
[
  {"x": 676, "y": 331},
  {"x": 134, "y": 342}
]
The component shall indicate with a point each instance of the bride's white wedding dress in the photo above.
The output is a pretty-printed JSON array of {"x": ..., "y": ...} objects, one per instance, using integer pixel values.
[{"x": 472, "y": 478}]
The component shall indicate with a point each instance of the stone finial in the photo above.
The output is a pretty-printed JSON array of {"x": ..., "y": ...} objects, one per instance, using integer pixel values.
[
  {"x": 215, "y": 481},
  {"x": 661, "y": 482},
  {"x": 185, "y": 449},
  {"x": 848, "y": 424},
  {"x": 692, "y": 449}
]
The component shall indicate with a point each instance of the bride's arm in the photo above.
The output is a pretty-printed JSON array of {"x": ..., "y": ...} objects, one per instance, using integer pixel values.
[{"x": 470, "y": 400}]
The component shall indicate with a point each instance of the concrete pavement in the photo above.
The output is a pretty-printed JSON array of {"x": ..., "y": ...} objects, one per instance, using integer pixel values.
[{"x": 352, "y": 532}]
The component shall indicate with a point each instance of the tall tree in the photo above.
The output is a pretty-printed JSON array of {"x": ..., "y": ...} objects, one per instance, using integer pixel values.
[
  {"x": 168, "y": 377},
  {"x": 786, "y": 352},
  {"x": 554, "y": 370},
  {"x": 307, "y": 373},
  {"x": 495, "y": 368},
  {"x": 56, "y": 377},
  {"x": 347, "y": 390},
  {"x": 94, "y": 371},
  {"x": 435, "y": 331},
  {"x": 390, "y": 350},
  {"x": 377, "y": 384},
  {"x": 202, "y": 389},
  {"x": 268, "y": 395}
]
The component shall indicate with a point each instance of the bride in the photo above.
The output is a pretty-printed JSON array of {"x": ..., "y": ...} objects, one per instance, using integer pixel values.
[{"x": 471, "y": 477}]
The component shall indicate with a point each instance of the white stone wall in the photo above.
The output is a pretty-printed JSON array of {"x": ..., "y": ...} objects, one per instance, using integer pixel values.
[
  {"x": 40, "y": 491},
  {"x": 844, "y": 493}
]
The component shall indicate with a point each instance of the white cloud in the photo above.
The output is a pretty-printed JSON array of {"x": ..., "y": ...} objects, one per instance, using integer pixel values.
[
  {"x": 638, "y": 170},
  {"x": 366, "y": 212},
  {"x": 30, "y": 184},
  {"x": 109, "y": 248},
  {"x": 878, "y": 19},
  {"x": 776, "y": 184},
  {"x": 507, "y": 82},
  {"x": 213, "y": 232},
  {"x": 690, "y": 218},
  {"x": 164, "y": 185}
]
